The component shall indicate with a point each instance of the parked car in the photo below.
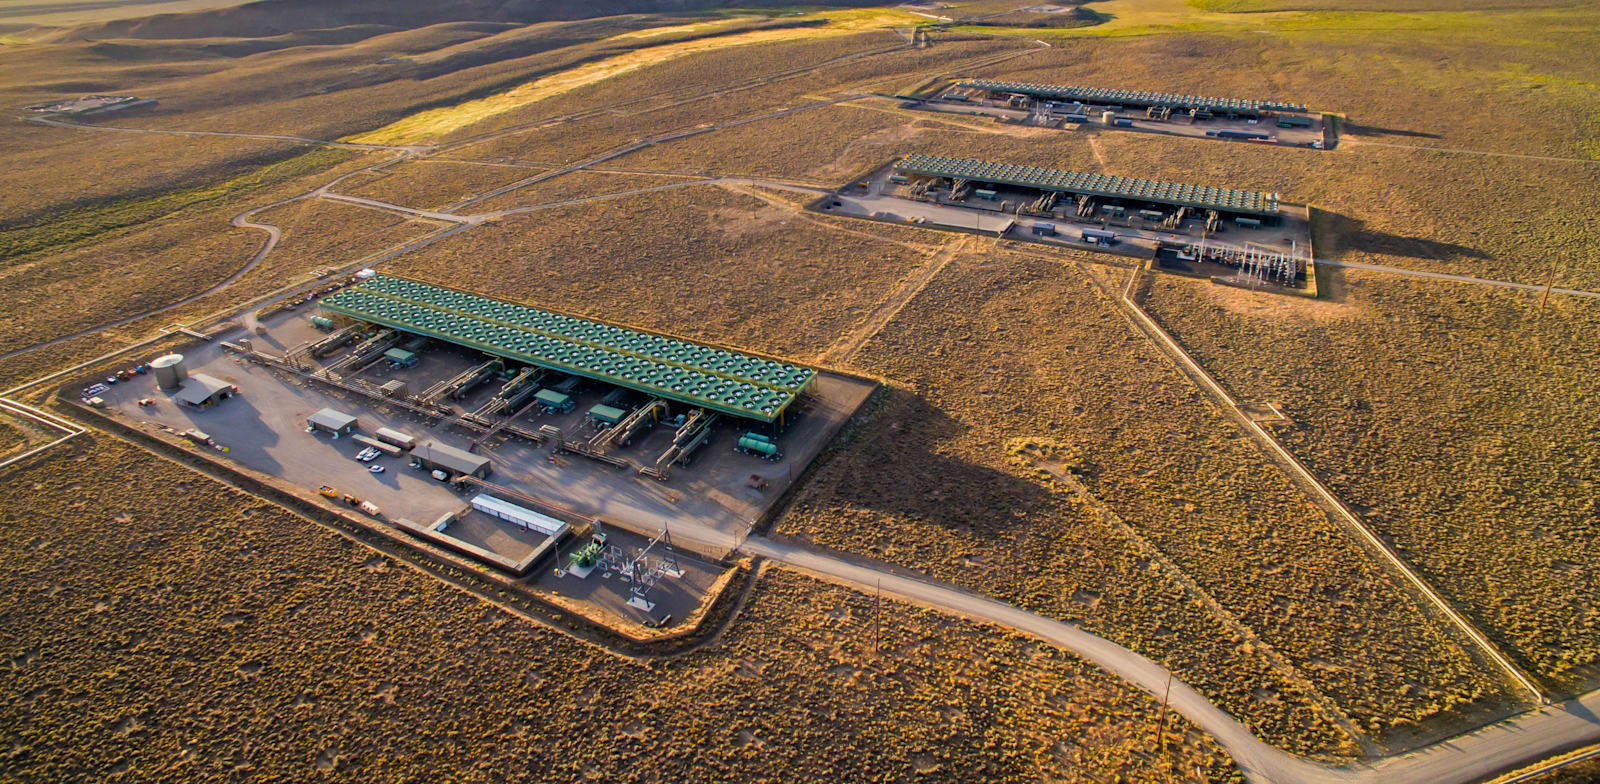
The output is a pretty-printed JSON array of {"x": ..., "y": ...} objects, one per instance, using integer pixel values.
[
  {"x": 375, "y": 469},
  {"x": 147, "y": 401},
  {"x": 368, "y": 455}
]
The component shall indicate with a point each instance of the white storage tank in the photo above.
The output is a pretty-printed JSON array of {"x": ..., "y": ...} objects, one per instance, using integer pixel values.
[
  {"x": 1108, "y": 117},
  {"x": 169, "y": 371}
]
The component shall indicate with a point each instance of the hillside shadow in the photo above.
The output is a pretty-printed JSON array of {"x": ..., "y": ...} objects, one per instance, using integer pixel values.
[
  {"x": 1373, "y": 130},
  {"x": 1344, "y": 233},
  {"x": 903, "y": 465}
]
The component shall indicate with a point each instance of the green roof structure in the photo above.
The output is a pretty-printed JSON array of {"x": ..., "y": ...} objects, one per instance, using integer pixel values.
[
  {"x": 1105, "y": 95},
  {"x": 1198, "y": 196},
  {"x": 716, "y": 379}
]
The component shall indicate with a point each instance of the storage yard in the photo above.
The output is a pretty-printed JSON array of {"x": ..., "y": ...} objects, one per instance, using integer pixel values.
[
  {"x": 1068, "y": 108},
  {"x": 1242, "y": 236},
  {"x": 435, "y": 427}
]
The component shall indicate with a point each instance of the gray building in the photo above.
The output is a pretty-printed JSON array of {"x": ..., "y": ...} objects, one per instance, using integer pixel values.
[
  {"x": 434, "y": 455},
  {"x": 201, "y": 391},
  {"x": 331, "y": 421}
]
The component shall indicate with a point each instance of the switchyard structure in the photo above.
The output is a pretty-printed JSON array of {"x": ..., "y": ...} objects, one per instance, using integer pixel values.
[
  {"x": 1131, "y": 99},
  {"x": 700, "y": 376}
]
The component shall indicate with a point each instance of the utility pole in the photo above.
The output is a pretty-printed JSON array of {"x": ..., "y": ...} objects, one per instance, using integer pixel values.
[
  {"x": 1548, "y": 283},
  {"x": 1161, "y": 726},
  {"x": 877, "y": 625}
]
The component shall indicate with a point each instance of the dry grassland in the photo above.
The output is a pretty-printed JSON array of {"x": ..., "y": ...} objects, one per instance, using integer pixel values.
[
  {"x": 148, "y": 266},
  {"x": 1496, "y": 218},
  {"x": 320, "y": 233},
  {"x": 321, "y": 84},
  {"x": 827, "y": 146},
  {"x": 1003, "y": 352},
  {"x": 702, "y": 263},
  {"x": 172, "y": 628},
  {"x": 50, "y": 169},
  {"x": 31, "y": 365},
  {"x": 1585, "y": 772},
  {"x": 1255, "y": 6},
  {"x": 431, "y": 184},
  {"x": 167, "y": 261},
  {"x": 1457, "y": 420},
  {"x": 443, "y": 121},
  {"x": 576, "y": 140},
  {"x": 16, "y": 436},
  {"x": 1518, "y": 82},
  {"x": 577, "y": 185}
]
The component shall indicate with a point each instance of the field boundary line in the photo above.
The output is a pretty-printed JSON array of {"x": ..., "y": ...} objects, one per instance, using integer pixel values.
[
  {"x": 62, "y": 424},
  {"x": 1506, "y": 284},
  {"x": 1329, "y": 502},
  {"x": 1557, "y": 763},
  {"x": 902, "y": 295},
  {"x": 1456, "y": 151},
  {"x": 1275, "y": 660}
]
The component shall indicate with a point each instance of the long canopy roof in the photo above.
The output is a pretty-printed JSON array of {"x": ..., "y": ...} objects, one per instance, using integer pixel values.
[
  {"x": 1129, "y": 97},
  {"x": 726, "y": 381},
  {"x": 1199, "y": 196}
]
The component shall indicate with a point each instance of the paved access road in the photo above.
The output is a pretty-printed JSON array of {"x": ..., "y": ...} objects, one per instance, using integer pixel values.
[{"x": 1473, "y": 757}]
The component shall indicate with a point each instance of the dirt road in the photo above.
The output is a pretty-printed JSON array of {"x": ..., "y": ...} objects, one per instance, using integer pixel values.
[{"x": 1473, "y": 757}]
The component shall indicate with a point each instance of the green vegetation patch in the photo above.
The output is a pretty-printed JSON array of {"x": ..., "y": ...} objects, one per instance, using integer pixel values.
[{"x": 75, "y": 225}]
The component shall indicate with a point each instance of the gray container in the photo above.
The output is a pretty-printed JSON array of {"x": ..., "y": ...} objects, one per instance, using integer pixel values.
[{"x": 170, "y": 371}]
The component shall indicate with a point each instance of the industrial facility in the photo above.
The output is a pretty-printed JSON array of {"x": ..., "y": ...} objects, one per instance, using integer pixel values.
[
  {"x": 1067, "y": 107},
  {"x": 1084, "y": 193},
  {"x": 483, "y": 420},
  {"x": 637, "y": 379},
  {"x": 1252, "y": 236},
  {"x": 1199, "y": 107}
]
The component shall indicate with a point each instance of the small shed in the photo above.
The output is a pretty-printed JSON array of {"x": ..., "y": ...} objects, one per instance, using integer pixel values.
[
  {"x": 552, "y": 401},
  {"x": 400, "y": 358},
  {"x": 606, "y": 415},
  {"x": 399, "y": 439},
  {"x": 331, "y": 421},
  {"x": 201, "y": 391},
  {"x": 434, "y": 455}
]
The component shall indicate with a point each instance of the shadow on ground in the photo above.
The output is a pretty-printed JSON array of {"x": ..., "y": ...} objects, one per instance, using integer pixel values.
[
  {"x": 1373, "y": 130},
  {"x": 904, "y": 465},
  {"x": 1337, "y": 232}
]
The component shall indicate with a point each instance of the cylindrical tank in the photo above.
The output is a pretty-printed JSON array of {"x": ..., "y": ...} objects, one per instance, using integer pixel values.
[
  {"x": 1108, "y": 117},
  {"x": 760, "y": 447},
  {"x": 170, "y": 371}
]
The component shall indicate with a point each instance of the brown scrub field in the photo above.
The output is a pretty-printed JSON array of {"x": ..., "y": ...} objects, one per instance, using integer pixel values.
[
  {"x": 1469, "y": 207},
  {"x": 171, "y": 627},
  {"x": 1027, "y": 444},
  {"x": 427, "y": 184},
  {"x": 698, "y": 262},
  {"x": 828, "y": 146},
  {"x": 1004, "y": 354},
  {"x": 587, "y": 183},
  {"x": 1459, "y": 421},
  {"x": 183, "y": 254}
]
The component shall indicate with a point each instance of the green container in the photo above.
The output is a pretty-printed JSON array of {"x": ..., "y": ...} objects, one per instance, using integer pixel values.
[{"x": 759, "y": 447}]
